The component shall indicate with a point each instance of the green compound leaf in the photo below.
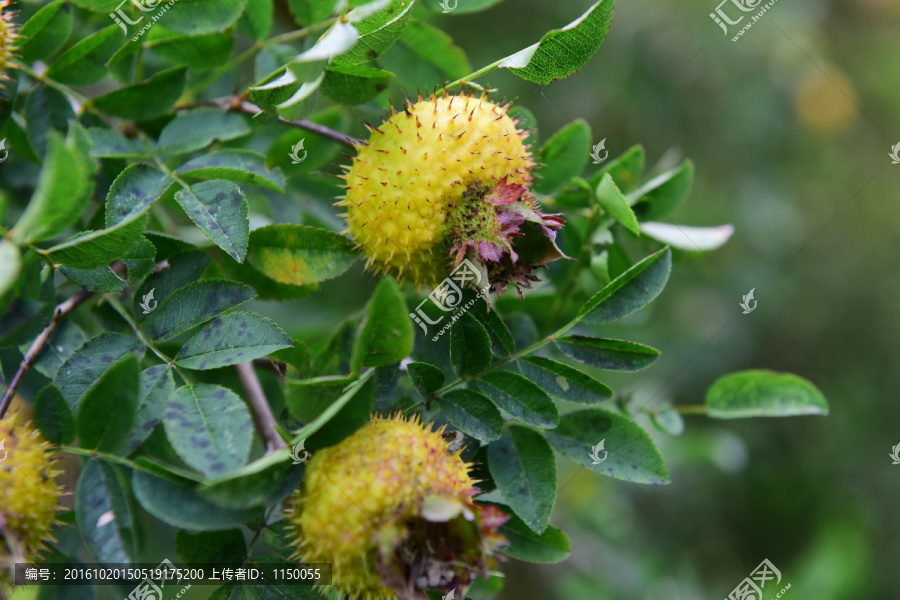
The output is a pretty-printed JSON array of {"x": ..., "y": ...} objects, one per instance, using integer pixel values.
[
  {"x": 46, "y": 110},
  {"x": 45, "y": 32},
  {"x": 181, "y": 506},
  {"x": 243, "y": 166},
  {"x": 630, "y": 291},
  {"x": 663, "y": 194},
  {"x": 761, "y": 393},
  {"x": 615, "y": 204},
  {"x": 106, "y": 412},
  {"x": 520, "y": 398},
  {"x": 106, "y": 143},
  {"x": 612, "y": 355},
  {"x": 133, "y": 192},
  {"x": 377, "y": 33},
  {"x": 524, "y": 469},
  {"x": 60, "y": 195},
  {"x": 105, "y": 512},
  {"x": 257, "y": 20},
  {"x": 211, "y": 546},
  {"x": 138, "y": 264},
  {"x": 563, "y": 157},
  {"x": 551, "y": 546},
  {"x": 182, "y": 269},
  {"x": 199, "y": 53},
  {"x": 298, "y": 254},
  {"x": 53, "y": 416},
  {"x": 85, "y": 62},
  {"x": 354, "y": 84},
  {"x": 387, "y": 334},
  {"x": 93, "y": 249},
  {"x": 193, "y": 304},
  {"x": 625, "y": 169},
  {"x": 10, "y": 265},
  {"x": 220, "y": 210},
  {"x": 91, "y": 361},
  {"x": 564, "y": 381},
  {"x": 433, "y": 46},
  {"x": 147, "y": 99},
  {"x": 198, "y": 17},
  {"x": 426, "y": 378},
  {"x": 562, "y": 52},
  {"x": 470, "y": 346},
  {"x": 626, "y": 452},
  {"x": 472, "y": 413},
  {"x": 231, "y": 339},
  {"x": 309, "y": 12},
  {"x": 156, "y": 386},
  {"x": 198, "y": 128},
  {"x": 209, "y": 427}
]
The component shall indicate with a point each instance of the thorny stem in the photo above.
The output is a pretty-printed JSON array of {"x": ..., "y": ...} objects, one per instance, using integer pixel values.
[
  {"x": 37, "y": 345},
  {"x": 259, "y": 406}
]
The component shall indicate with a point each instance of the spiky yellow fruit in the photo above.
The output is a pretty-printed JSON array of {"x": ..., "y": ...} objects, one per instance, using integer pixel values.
[
  {"x": 391, "y": 508},
  {"x": 421, "y": 191},
  {"x": 28, "y": 495},
  {"x": 8, "y": 35}
]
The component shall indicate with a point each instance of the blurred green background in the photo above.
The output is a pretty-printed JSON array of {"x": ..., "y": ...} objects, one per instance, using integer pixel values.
[{"x": 790, "y": 129}]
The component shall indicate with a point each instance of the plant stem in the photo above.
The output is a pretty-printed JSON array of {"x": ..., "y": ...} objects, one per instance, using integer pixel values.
[
  {"x": 37, "y": 345},
  {"x": 691, "y": 409},
  {"x": 259, "y": 406},
  {"x": 117, "y": 306},
  {"x": 471, "y": 76}
]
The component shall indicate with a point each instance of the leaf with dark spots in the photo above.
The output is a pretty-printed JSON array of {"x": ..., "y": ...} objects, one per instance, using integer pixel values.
[
  {"x": 193, "y": 305},
  {"x": 89, "y": 362},
  {"x": 213, "y": 419},
  {"x": 221, "y": 212},
  {"x": 231, "y": 339}
]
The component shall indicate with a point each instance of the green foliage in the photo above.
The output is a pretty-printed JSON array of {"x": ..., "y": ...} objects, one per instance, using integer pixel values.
[{"x": 171, "y": 214}]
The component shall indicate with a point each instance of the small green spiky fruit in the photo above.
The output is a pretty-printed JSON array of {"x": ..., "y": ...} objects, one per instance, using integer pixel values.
[
  {"x": 28, "y": 495},
  {"x": 443, "y": 179},
  {"x": 391, "y": 508}
]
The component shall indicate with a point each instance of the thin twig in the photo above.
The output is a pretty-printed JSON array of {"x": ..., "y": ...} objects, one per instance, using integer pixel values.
[
  {"x": 236, "y": 103},
  {"x": 38, "y": 344},
  {"x": 259, "y": 406}
]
